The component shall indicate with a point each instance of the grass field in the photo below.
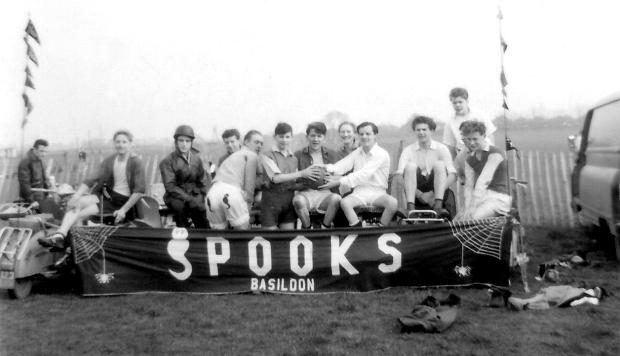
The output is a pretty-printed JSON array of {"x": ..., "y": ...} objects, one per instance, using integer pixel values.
[{"x": 56, "y": 321}]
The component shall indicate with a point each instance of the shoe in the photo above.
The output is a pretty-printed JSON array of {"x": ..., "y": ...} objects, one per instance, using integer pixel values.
[
  {"x": 53, "y": 241},
  {"x": 442, "y": 213},
  {"x": 515, "y": 304}
]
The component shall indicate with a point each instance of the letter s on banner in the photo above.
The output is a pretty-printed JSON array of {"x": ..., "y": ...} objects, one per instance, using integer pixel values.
[
  {"x": 177, "y": 247},
  {"x": 253, "y": 258},
  {"x": 390, "y": 250},
  {"x": 214, "y": 258}
]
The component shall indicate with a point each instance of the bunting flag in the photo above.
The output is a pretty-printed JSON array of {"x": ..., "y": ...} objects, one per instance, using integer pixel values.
[
  {"x": 29, "y": 82},
  {"x": 27, "y": 104},
  {"x": 31, "y": 54},
  {"x": 504, "y": 47},
  {"x": 28, "y": 72},
  {"x": 32, "y": 31}
]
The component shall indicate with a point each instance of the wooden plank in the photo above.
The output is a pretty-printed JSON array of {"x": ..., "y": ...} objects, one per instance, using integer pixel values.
[
  {"x": 566, "y": 181},
  {"x": 532, "y": 193},
  {"x": 549, "y": 190},
  {"x": 526, "y": 214},
  {"x": 557, "y": 192}
]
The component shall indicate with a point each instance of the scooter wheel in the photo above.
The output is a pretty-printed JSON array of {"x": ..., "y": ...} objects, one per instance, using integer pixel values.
[{"x": 22, "y": 289}]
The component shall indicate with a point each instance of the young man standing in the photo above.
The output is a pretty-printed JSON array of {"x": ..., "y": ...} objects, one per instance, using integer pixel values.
[
  {"x": 459, "y": 97},
  {"x": 31, "y": 173},
  {"x": 281, "y": 171},
  {"x": 231, "y": 138},
  {"x": 425, "y": 166},
  {"x": 185, "y": 180},
  {"x": 369, "y": 179},
  {"x": 310, "y": 198},
  {"x": 232, "y": 192},
  {"x": 486, "y": 184}
]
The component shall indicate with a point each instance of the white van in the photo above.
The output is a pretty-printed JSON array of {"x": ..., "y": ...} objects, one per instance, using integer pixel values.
[{"x": 596, "y": 176}]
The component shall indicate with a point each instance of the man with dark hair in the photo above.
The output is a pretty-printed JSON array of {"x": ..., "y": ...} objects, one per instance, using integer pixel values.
[
  {"x": 369, "y": 179},
  {"x": 459, "y": 97},
  {"x": 231, "y": 139},
  {"x": 232, "y": 192},
  {"x": 486, "y": 185},
  {"x": 185, "y": 180},
  {"x": 310, "y": 198},
  {"x": 281, "y": 170},
  {"x": 31, "y": 173},
  {"x": 425, "y": 166}
]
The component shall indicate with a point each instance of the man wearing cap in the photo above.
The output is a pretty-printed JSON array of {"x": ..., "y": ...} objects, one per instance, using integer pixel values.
[
  {"x": 31, "y": 173},
  {"x": 185, "y": 180}
]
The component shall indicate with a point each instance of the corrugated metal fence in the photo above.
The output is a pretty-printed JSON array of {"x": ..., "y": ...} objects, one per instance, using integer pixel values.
[{"x": 544, "y": 201}]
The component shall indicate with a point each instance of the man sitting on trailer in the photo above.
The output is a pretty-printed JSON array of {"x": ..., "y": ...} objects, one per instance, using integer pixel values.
[
  {"x": 309, "y": 198},
  {"x": 31, "y": 173},
  {"x": 425, "y": 166},
  {"x": 486, "y": 183},
  {"x": 232, "y": 192},
  {"x": 369, "y": 179}
]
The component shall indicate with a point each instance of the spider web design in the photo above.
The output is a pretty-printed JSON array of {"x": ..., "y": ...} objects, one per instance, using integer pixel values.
[
  {"x": 88, "y": 240},
  {"x": 482, "y": 236}
]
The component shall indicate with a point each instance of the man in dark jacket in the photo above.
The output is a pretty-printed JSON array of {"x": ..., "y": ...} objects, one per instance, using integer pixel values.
[
  {"x": 185, "y": 180},
  {"x": 31, "y": 173}
]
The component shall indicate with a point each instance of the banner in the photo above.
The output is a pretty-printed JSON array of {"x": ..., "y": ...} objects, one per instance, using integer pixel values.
[{"x": 114, "y": 260}]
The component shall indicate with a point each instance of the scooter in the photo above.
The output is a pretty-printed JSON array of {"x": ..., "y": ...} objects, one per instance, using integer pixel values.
[{"x": 21, "y": 256}]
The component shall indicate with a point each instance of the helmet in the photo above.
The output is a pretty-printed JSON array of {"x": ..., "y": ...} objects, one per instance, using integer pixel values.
[{"x": 184, "y": 130}]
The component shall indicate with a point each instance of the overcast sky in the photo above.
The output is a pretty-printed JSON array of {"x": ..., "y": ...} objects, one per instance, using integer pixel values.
[{"x": 150, "y": 65}]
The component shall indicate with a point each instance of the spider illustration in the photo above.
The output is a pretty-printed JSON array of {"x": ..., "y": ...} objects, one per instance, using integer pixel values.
[
  {"x": 462, "y": 271},
  {"x": 104, "y": 278}
]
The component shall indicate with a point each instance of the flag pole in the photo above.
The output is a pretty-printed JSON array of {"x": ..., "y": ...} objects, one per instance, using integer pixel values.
[{"x": 504, "y": 82}]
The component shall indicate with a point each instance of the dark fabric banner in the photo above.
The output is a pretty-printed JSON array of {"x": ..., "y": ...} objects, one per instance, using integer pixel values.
[{"x": 113, "y": 260}]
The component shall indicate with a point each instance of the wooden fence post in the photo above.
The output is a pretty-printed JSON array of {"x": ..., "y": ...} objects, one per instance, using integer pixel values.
[
  {"x": 550, "y": 191},
  {"x": 566, "y": 181},
  {"x": 533, "y": 185}
]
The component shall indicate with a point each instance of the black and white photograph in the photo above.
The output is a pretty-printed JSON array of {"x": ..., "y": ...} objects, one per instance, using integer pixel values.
[{"x": 344, "y": 177}]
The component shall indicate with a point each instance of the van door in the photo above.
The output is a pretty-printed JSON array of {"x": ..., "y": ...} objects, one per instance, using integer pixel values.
[{"x": 599, "y": 177}]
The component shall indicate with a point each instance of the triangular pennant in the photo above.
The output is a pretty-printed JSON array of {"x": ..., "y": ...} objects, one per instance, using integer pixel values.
[
  {"x": 502, "y": 78},
  {"x": 27, "y": 70},
  {"x": 504, "y": 93},
  {"x": 504, "y": 104},
  {"x": 500, "y": 16},
  {"x": 31, "y": 54},
  {"x": 24, "y": 121},
  {"x": 29, "y": 82},
  {"x": 27, "y": 103},
  {"x": 503, "y": 43},
  {"x": 32, "y": 32}
]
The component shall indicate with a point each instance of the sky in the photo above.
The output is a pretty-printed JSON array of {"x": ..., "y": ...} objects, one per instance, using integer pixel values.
[{"x": 148, "y": 66}]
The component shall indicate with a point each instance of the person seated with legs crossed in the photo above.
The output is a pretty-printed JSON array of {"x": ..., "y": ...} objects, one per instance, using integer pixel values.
[
  {"x": 281, "y": 172},
  {"x": 232, "y": 193},
  {"x": 368, "y": 180},
  {"x": 425, "y": 166},
  {"x": 121, "y": 183},
  {"x": 486, "y": 184},
  {"x": 310, "y": 198}
]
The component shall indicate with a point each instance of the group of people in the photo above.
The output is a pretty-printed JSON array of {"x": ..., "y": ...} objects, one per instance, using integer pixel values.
[{"x": 291, "y": 185}]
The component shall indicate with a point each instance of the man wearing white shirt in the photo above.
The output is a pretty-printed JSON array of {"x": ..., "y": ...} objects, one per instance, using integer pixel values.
[
  {"x": 369, "y": 179},
  {"x": 459, "y": 97},
  {"x": 425, "y": 166}
]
